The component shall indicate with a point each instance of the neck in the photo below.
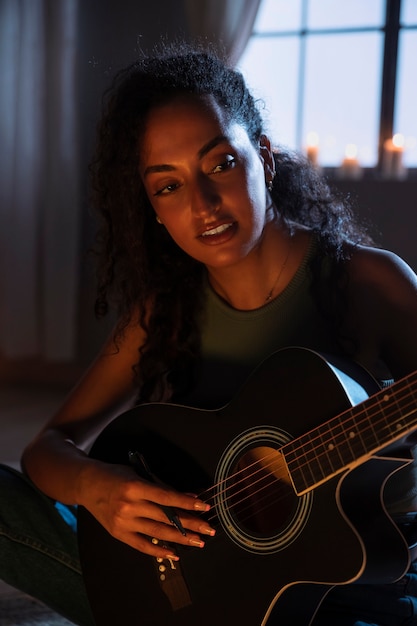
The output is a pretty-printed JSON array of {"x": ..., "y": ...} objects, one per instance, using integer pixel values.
[{"x": 261, "y": 276}]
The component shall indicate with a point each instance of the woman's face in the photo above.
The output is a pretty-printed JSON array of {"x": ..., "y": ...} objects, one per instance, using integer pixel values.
[{"x": 205, "y": 180}]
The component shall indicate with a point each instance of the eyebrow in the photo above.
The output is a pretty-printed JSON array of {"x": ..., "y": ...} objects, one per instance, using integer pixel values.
[
  {"x": 154, "y": 169},
  {"x": 212, "y": 144}
]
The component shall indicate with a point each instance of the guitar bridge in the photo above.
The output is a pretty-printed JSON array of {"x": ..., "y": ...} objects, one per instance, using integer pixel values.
[{"x": 172, "y": 582}]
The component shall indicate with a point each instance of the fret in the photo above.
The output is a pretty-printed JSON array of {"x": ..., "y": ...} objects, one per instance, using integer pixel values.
[
  {"x": 382, "y": 425},
  {"x": 328, "y": 452},
  {"x": 355, "y": 434},
  {"x": 397, "y": 412},
  {"x": 372, "y": 428}
]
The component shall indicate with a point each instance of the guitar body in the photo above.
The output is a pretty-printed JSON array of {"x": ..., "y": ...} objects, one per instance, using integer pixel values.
[{"x": 270, "y": 568}]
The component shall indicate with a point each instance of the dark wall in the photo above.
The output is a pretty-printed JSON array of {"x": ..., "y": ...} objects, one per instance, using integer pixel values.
[
  {"x": 390, "y": 208},
  {"x": 111, "y": 33}
]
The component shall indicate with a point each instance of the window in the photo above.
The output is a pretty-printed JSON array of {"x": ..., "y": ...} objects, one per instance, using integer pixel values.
[
  {"x": 324, "y": 70},
  {"x": 405, "y": 118}
]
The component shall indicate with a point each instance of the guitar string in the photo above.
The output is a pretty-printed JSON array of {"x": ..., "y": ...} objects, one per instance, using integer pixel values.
[
  {"x": 385, "y": 416},
  {"x": 264, "y": 491},
  {"x": 319, "y": 437},
  {"x": 262, "y": 468},
  {"x": 262, "y": 504},
  {"x": 371, "y": 410},
  {"x": 282, "y": 491},
  {"x": 262, "y": 495},
  {"x": 333, "y": 471},
  {"x": 263, "y": 501},
  {"x": 267, "y": 487},
  {"x": 265, "y": 467}
]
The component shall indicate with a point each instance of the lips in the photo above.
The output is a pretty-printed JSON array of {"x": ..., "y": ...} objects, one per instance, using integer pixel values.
[
  {"x": 217, "y": 230},
  {"x": 219, "y": 233}
]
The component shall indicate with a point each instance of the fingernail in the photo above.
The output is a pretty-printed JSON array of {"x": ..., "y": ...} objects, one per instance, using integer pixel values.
[
  {"x": 196, "y": 542},
  {"x": 172, "y": 557},
  {"x": 207, "y": 530},
  {"x": 201, "y": 506}
]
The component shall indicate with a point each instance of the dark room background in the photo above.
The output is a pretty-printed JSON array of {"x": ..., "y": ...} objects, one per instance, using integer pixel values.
[{"x": 57, "y": 58}]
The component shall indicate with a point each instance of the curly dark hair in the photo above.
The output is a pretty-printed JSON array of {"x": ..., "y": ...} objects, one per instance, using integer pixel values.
[{"x": 139, "y": 264}]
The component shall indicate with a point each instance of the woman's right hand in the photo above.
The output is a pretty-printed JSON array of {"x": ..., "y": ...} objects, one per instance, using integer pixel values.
[{"x": 130, "y": 509}]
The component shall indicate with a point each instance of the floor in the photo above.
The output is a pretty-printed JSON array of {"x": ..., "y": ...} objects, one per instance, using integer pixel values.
[{"x": 22, "y": 412}]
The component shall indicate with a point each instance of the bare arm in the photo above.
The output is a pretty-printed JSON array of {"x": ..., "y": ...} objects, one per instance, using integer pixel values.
[{"x": 125, "y": 505}]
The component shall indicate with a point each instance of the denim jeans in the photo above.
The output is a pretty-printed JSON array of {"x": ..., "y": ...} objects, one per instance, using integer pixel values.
[{"x": 38, "y": 548}]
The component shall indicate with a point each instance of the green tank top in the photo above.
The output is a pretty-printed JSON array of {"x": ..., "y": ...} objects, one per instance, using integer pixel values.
[{"x": 235, "y": 342}]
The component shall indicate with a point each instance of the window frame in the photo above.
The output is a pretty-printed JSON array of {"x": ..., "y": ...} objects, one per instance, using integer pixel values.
[{"x": 391, "y": 31}]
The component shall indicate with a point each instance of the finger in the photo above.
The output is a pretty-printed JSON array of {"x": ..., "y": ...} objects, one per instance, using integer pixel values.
[
  {"x": 183, "y": 522},
  {"x": 192, "y": 523},
  {"x": 157, "y": 547},
  {"x": 152, "y": 547},
  {"x": 168, "y": 497},
  {"x": 169, "y": 533}
]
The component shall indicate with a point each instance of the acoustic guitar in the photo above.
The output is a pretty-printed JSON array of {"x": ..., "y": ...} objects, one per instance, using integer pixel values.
[{"x": 294, "y": 469}]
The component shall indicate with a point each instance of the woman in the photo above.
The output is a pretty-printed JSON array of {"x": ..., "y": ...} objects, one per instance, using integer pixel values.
[{"x": 216, "y": 251}]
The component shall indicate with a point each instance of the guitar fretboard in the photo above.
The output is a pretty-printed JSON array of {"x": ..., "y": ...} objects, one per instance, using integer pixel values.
[{"x": 353, "y": 436}]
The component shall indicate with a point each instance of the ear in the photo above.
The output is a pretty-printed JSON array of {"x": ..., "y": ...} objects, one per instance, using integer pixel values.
[{"x": 267, "y": 158}]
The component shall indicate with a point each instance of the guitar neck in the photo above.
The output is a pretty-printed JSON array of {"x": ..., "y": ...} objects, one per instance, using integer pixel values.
[{"x": 353, "y": 436}]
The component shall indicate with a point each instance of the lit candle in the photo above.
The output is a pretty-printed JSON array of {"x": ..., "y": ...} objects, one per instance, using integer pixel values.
[
  {"x": 392, "y": 157},
  {"x": 313, "y": 148},
  {"x": 350, "y": 165}
]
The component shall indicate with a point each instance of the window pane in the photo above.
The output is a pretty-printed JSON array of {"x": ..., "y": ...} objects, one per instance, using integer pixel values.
[
  {"x": 278, "y": 16},
  {"x": 342, "y": 102},
  {"x": 409, "y": 12},
  {"x": 406, "y": 97},
  {"x": 342, "y": 14},
  {"x": 275, "y": 82}
]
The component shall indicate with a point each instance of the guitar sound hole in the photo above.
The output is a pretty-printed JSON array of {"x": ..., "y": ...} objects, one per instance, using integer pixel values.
[{"x": 262, "y": 499}]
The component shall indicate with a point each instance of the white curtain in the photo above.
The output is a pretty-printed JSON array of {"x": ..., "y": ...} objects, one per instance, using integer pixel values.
[
  {"x": 39, "y": 187},
  {"x": 229, "y": 22}
]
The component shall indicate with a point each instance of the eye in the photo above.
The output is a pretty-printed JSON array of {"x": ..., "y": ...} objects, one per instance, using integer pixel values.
[
  {"x": 228, "y": 163},
  {"x": 166, "y": 189}
]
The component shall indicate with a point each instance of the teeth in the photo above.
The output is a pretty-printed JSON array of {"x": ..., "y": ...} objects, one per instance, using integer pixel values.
[{"x": 216, "y": 231}]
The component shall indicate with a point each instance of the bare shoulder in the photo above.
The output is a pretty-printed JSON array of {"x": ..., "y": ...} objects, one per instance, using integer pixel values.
[{"x": 383, "y": 272}]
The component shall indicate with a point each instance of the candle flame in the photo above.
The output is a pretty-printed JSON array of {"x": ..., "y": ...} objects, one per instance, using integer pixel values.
[
  {"x": 312, "y": 139},
  {"x": 398, "y": 140},
  {"x": 351, "y": 151}
]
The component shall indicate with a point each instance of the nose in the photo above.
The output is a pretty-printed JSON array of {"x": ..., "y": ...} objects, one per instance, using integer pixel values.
[{"x": 205, "y": 198}]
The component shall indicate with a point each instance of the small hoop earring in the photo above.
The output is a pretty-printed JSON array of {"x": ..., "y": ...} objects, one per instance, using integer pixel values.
[
  {"x": 158, "y": 219},
  {"x": 270, "y": 183}
]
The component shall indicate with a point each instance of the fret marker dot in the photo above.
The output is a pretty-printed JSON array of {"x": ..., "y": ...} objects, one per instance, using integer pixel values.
[
  {"x": 399, "y": 426},
  {"x": 352, "y": 435},
  {"x": 386, "y": 398},
  {"x": 331, "y": 446}
]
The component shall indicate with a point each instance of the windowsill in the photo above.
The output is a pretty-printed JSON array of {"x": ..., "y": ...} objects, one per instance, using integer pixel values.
[{"x": 369, "y": 174}]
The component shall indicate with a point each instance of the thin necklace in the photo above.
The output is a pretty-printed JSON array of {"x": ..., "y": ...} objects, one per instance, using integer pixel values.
[{"x": 275, "y": 285}]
